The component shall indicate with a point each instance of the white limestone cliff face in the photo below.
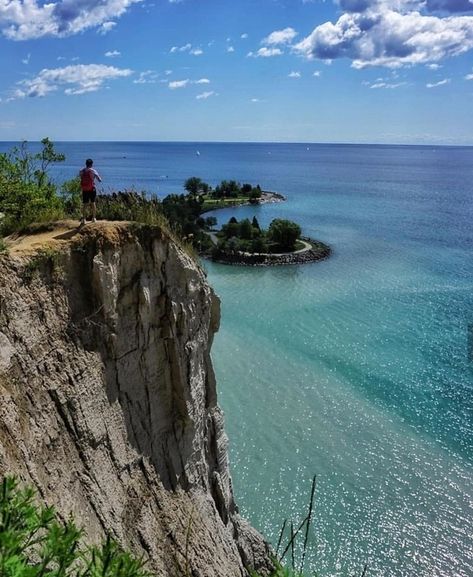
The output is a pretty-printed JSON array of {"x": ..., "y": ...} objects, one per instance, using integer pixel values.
[{"x": 108, "y": 402}]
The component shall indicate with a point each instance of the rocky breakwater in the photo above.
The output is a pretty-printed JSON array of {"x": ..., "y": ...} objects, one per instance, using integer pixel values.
[{"x": 107, "y": 396}]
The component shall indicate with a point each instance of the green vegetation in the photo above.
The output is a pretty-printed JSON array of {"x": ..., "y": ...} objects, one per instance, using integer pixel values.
[
  {"x": 227, "y": 193},
  {"x": 227, "y": 189},
  {"x": 28, "y": 195},
  {"x": 248, "y": 236},
  {"x": 35, "y": 543},
  {"x": 26, "y": 192},
  {"x": 46, "y": 259}
]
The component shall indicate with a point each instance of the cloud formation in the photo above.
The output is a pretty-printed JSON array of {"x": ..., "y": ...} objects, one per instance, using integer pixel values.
[
  {"x": 206, "y": 95},
  {"x": 391, "y": 33},
  {"x": 266, "y": 52},
  {"x": 174, "y": 84},
  {"x": 28, "y": 19},
  {"x": 78, "y": 79},
  {"x": 146, "y": 77},
  {"x": 285, "y": 36},
  {"x": 439, "y": 83},
  {"x": 186, "y": 48}
]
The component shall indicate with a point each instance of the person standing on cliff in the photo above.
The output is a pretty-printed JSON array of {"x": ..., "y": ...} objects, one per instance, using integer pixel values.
[{"x": 88, "y": 176}]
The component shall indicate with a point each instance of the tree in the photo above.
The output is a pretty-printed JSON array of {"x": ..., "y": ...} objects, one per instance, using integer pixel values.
[
  {"x": 210, "y": 221},
  {"x": 246, "y": 230},
  {"x": 284, "y": 233},
  {"x": 231, "y": 229},
  {"x": 259, "y": 244},
  {"x": 26, "y": 192},
  {"x": 193, "y": 185},
  {"x": 255, "y": 195},
  {"x": 255, "y": 224}
]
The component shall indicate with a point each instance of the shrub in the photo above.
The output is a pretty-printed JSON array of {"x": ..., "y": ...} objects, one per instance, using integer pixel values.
[
  {"x": 35, "y": 543},
  {"x": 26, "y": 192}
]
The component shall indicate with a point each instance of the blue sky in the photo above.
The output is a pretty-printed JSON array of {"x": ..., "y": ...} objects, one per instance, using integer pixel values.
[{"x": 380, "y": 71}]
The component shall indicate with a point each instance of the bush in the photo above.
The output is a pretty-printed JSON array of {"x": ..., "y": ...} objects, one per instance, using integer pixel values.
[
  {"x": 26, "y": 193},
  {"x": 35, "y": 543}
]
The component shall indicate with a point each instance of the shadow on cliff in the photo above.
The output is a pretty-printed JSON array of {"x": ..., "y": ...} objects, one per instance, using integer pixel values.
[{"x": 145, "y": 368}]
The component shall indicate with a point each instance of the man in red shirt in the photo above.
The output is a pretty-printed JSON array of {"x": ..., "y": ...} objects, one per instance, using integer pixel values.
[{"x": 88, "y": 176}]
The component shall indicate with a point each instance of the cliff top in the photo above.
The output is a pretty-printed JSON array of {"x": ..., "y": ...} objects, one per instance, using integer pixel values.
[{"x": 60, "y": 233}]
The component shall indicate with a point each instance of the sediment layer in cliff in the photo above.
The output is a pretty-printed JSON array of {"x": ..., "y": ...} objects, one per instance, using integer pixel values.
[{"x": 107, "y": 395}]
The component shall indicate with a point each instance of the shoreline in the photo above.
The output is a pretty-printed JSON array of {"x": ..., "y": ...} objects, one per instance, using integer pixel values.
[
  {"x": 316, "y": 250},
  {"x": 267, "y": 197}
]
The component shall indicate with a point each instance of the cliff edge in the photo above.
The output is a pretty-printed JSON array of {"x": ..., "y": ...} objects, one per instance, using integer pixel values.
[{"x": 107, "y": 395}]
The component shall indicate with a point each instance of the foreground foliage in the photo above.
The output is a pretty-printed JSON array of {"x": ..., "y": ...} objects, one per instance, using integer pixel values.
[
  {"x": 35, "y": 543},
  {"x": 26, "y": 192}
]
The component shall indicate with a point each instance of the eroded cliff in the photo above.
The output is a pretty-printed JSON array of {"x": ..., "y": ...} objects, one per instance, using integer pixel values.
[{"x": 108, "y": 400}]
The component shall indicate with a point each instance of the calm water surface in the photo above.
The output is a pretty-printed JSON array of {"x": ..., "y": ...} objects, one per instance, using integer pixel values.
[{"x": 357, "y": 368}]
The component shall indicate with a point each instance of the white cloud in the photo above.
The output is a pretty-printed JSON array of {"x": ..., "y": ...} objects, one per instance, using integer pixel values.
[
  {"x": 439, "y": 83},
  {"x": 294, "y": 74},
  {"x": 147, "y": 77},
  {"x": 266, "y": 52},
  {"x": 168, "y": 72},
  {"x": 78, "y": 79},
  {"x": 27, "y": 19},
  {"x": 383, "y": 84},
  {"x": 106, "y": 27},
  {"x": 434, "y": 66},
  {"x": 230, "y": 49},
  {"x": 112, "y": 54},
  {"x": 183, "y": 83},
  {"x": 205, "y": 95},
  {"x": 244, "y": 36},
  {"x": 469, "y": 77},
  {"x": 186, "y": 48},
  {"x": 27, "y": 59},
  {"x": 178, "y": 84},
  {"x": 317, "y": 74},
  {"x": 377, "y": 34},
  {"x": 285, "y": 36}
]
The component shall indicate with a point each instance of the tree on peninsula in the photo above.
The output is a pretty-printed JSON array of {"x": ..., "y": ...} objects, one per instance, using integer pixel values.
[{"x": 284, "y": 233}]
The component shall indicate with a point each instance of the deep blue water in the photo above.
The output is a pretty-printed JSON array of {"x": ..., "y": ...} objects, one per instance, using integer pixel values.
[{"x": 357, "y": 368}]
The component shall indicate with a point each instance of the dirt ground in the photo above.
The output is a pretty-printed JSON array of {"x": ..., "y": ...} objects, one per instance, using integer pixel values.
[{"x": 59, "y": 233}]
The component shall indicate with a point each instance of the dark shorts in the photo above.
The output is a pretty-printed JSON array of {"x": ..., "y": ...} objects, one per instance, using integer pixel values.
[{"x": 88, "y": 196}]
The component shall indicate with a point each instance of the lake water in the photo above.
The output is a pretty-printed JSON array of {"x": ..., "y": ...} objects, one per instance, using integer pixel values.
[{"x": 358, "y": 369}]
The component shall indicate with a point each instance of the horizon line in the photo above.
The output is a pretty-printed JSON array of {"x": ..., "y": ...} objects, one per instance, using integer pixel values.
[{"x": 249, "y": 142}]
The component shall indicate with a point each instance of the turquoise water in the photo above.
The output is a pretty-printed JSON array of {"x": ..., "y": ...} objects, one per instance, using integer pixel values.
[{"x": 357, "y": 368}]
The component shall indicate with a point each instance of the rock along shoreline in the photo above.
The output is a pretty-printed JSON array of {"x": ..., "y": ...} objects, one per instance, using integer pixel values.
[{"x": 315, "y": 250}]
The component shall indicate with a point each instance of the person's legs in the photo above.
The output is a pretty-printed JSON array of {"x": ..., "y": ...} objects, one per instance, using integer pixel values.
[
  {"x": 88, "y": 205},
  {"x": 85, "y": 204},
  {"x": 93, "y": 206}
]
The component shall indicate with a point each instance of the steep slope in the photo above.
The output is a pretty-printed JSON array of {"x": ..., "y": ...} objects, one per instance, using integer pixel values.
[{"x": 108, "y": 400}]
